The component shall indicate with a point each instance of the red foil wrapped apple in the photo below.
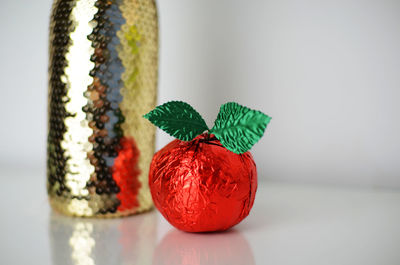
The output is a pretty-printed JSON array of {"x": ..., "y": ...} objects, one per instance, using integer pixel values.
[
  {"x": 206, "y": 182},
  {"x": 201, "y": 186}
]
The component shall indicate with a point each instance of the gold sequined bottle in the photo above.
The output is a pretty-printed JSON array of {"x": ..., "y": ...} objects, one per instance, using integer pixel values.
[{"x": 102, "y": 79}]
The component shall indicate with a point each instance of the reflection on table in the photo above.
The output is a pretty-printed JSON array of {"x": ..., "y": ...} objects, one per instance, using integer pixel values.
[
  {"x": 180, "y": 248},
  {"x": 78, "y": 241}
]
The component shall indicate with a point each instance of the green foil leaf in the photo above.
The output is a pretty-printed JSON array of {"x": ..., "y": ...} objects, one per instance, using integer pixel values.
[
  {"x": 238, "y": 128},
  {"x": 178, "y": 119}
]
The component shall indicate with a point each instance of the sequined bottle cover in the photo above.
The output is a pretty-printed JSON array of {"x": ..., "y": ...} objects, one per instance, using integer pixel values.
[{"x": 102, "y": 79}]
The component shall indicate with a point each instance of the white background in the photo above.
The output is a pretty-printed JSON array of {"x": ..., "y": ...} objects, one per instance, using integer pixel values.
[{"x": 328, "y": 72}]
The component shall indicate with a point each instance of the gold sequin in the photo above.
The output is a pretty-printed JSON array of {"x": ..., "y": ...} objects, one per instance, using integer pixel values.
[{"x": 102, "y": 80}]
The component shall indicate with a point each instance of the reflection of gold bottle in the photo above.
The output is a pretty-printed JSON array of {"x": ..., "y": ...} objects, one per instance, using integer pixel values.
[
  {"x": 102, "y": 79},
  {"x": 96, "y": 241}
]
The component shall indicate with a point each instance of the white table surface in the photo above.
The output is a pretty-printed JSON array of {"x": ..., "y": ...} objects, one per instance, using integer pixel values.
[{"x": 289, "y": 224}]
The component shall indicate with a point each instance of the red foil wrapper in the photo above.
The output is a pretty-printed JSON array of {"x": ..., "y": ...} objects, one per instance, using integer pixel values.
[{"x": 200, "y": 186}]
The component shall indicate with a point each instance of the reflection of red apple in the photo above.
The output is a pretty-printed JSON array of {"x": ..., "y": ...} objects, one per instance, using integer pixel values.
[
  {"x": 201, "y": 186},
  {"x": 126, "y": 173},
  {"x": 178, "y": 248}
]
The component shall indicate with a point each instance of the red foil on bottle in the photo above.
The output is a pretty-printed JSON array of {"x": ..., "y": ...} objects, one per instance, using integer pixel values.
[{"x": 200, "y": 186}]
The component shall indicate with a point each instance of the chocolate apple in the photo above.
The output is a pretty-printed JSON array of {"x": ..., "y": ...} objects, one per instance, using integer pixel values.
[{"x": 206, "y": 179}]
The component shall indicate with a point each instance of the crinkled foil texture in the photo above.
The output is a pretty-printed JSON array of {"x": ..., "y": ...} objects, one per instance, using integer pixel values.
[
  {"x": 102, "y": 79},
  {"x": 200, "y": 186}
]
